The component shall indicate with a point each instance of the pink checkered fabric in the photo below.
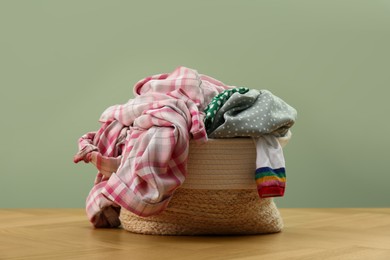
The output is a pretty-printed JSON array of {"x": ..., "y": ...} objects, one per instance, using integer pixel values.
[{"x": 141, "y": 149}]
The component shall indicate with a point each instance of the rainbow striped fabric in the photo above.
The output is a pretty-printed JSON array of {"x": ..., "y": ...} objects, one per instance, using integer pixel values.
[{"x": 270, "y": 182}]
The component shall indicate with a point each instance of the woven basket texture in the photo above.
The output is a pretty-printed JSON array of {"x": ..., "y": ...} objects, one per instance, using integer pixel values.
[{"x": 218, "y": 197}]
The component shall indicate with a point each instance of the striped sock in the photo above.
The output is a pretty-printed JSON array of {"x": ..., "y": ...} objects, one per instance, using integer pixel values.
[
  {"x": 270, "y": 182},
  {"x": 270, "y": 172}
]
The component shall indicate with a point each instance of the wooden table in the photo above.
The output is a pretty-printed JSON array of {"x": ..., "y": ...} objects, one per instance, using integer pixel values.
[{"x": 308, "y": 234}]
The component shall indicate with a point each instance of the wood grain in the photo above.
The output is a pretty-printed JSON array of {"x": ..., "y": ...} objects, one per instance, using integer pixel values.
[{"x": 308, "y": 234}]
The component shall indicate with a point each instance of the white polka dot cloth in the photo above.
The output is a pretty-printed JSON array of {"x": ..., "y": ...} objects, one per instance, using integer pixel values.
[{"x": 255, "y": 113}]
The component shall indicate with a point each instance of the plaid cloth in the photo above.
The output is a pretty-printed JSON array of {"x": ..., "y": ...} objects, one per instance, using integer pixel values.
[{"x": 141, "y": 149}]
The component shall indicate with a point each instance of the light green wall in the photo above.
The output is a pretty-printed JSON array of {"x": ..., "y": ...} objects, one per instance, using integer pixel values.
[{"x": 63, "y": 62}]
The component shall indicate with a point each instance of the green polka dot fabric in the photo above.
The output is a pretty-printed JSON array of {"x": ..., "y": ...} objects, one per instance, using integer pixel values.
[
  {"x": 252, "y": 114},
  {"x": 217, "y": 102}
]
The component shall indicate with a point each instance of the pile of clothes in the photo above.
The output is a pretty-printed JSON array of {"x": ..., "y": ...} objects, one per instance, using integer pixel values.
[{"x": 141, "y": 148}]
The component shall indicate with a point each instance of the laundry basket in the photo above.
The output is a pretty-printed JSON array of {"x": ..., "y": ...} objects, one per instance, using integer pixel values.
[{"x": 219, "y": 196}]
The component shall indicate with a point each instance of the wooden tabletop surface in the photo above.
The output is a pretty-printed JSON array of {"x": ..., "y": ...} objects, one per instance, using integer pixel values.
[{"x": 308, "y": 234}]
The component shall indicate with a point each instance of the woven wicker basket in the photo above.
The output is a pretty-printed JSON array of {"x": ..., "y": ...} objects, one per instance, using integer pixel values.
[{"x": 218, "y": 197}]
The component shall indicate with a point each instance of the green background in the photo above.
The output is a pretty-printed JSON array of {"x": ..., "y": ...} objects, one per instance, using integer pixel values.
[{"x": 63, "y": 62}]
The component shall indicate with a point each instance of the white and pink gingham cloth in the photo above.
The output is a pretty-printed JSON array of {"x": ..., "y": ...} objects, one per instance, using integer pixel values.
[{"x": 141, "y": 149}]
